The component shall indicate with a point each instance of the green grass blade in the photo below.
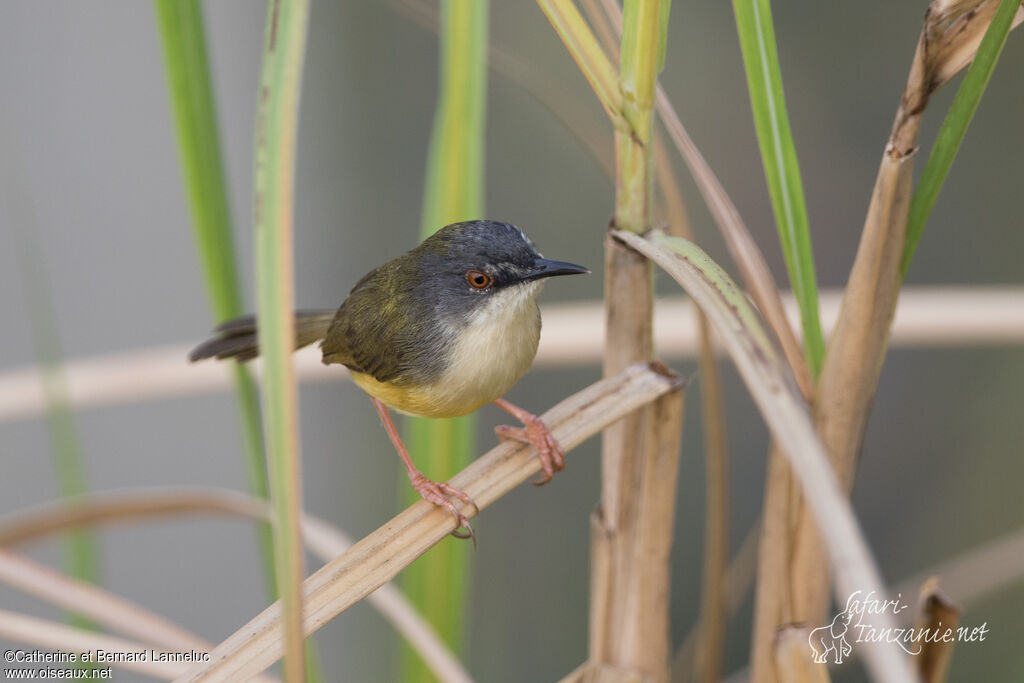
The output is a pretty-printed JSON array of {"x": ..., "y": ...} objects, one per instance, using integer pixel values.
[
  {"x": 80, "y": 556},
  {"x": 195, "y": 119},
  {"x": 276, "y": 133},
  {"x": 782, "y": 171},
  {"x": 199, "y": 150},
  {"x": 954, "y": 127},
  {"x": 438, "y": 582}
]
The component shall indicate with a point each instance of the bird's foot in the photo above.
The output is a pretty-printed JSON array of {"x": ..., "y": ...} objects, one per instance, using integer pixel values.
[
  {"x": 537, "y": 434},
  {"x": 440, "y": 493}
]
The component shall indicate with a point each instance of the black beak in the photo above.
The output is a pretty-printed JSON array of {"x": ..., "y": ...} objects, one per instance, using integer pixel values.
[{"x": 542, "y": 268}]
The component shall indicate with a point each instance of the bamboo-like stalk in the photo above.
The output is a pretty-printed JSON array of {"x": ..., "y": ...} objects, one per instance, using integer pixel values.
[
  {"x": 454, "y": 191},
  {"x": 792, "y": 583},
  {"x": 195, "y": 117},
  {"x": 782, "y": 406},
  {"x": 629, "y": 618},
  {"x": 276, "y": 132},
  {"x": 380, "y": 556}
]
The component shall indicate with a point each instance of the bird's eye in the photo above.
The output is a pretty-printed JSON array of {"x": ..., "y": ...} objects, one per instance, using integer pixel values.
[{"x": 478, "y": 280}]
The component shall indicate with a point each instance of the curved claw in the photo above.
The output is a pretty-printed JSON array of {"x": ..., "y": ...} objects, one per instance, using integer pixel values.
[
  {"x": 440, "y": 493},
  {"x": 536, "y": 433}
]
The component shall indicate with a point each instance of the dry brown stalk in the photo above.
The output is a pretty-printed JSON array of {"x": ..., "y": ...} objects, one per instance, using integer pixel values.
[
  {"x": 713, "y": 609},
  {"x": 380, "y": 556},
  {"x": 936, "y": 615},
  {"x": 744, "y": 251},
  {"x": 793, "y": 577},
  {"x": 793, "y": 658},
  {"x": 632, "y": 528},
  {"x": 629, "y": 609},
  {"x": 783, "y": 408}
]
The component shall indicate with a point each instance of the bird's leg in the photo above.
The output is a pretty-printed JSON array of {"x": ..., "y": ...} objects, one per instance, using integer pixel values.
[
  {"x": 437, "y": 492},
  {"x": 535, "y": 433}
]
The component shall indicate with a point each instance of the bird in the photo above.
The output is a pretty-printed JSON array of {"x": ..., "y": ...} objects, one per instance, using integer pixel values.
[{"x": 437, "y": 332}]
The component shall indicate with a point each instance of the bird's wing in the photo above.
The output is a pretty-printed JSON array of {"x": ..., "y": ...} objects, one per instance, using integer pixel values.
[{"x": 368, "y": 331}]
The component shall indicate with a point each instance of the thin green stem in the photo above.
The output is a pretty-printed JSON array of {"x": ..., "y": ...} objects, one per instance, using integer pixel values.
[
  {"x": 276, "y": 132},
  {"x": 781, "y": 168},
  {"x": 80, "y": 556},
  {"x": 954, "y": 127}
]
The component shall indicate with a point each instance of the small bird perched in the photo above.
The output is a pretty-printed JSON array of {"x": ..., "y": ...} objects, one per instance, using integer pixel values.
[{"x": 437, "y": 332}]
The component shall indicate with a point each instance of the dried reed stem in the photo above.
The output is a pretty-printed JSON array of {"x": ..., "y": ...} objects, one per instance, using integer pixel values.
[
  {"x": 21, "y": 628},
  {"x": 322, "y": 539},
  {"x": 100, "y": 606},
  {"x": 793, "y": 579},
  {"x": 380, "y": 556},
  {"x": 783, "y": 408},
  {"x": 793, "y": 658}
]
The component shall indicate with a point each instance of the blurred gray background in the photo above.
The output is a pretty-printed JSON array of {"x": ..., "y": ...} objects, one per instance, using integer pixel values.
[{"x": 86, "y": 127}]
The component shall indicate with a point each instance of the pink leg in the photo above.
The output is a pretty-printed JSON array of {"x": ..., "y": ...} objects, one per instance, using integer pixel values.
[
  {"x": 535, "y": 433},
  {"x": 436, "y": 492}
]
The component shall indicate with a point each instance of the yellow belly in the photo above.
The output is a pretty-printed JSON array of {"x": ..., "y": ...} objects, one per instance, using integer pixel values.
[{"x": 491, "y": 353}]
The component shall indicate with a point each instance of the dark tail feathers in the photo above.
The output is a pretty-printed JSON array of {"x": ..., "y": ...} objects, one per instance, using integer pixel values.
[{"x": 237, "y": 338}]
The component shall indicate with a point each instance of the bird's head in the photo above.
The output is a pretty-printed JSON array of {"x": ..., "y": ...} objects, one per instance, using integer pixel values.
[{"x": 483, "y": 267}]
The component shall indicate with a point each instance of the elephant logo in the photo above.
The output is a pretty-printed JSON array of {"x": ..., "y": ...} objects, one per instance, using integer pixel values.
[{"x": 831, "y": 639}]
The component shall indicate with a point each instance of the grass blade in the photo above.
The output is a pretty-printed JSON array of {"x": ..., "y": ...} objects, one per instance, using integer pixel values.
[
  {"x": 584, "y": 47},
  {"x": 954, "y": 126},
  {"x": 438, "y": 583},
  {"x": 195, "y": 118},
  {"x": 276, "y": 132},
  {"x": 80, "y": 555},
  {"x": 782, "y": 171}
]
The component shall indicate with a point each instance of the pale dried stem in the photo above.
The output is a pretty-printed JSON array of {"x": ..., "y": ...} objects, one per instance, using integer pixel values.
[
  {"x": 793, "y": 658},
  {"x": 744, "y": 251},
  {"x": 380, "y": 556},
  {"x": 978, "y": 573},
  {"x": 20, "y": 628},
  {"x": 786, "y": 414},
  {"x": 716, "y": 526},
  {"x": 104, "y": 608},
  {"x": 322, "y": 539},
  {"x": 632, "y": 529},
  {"x": 742, "y": 248},
  {"x": 792, "y": 578}
]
